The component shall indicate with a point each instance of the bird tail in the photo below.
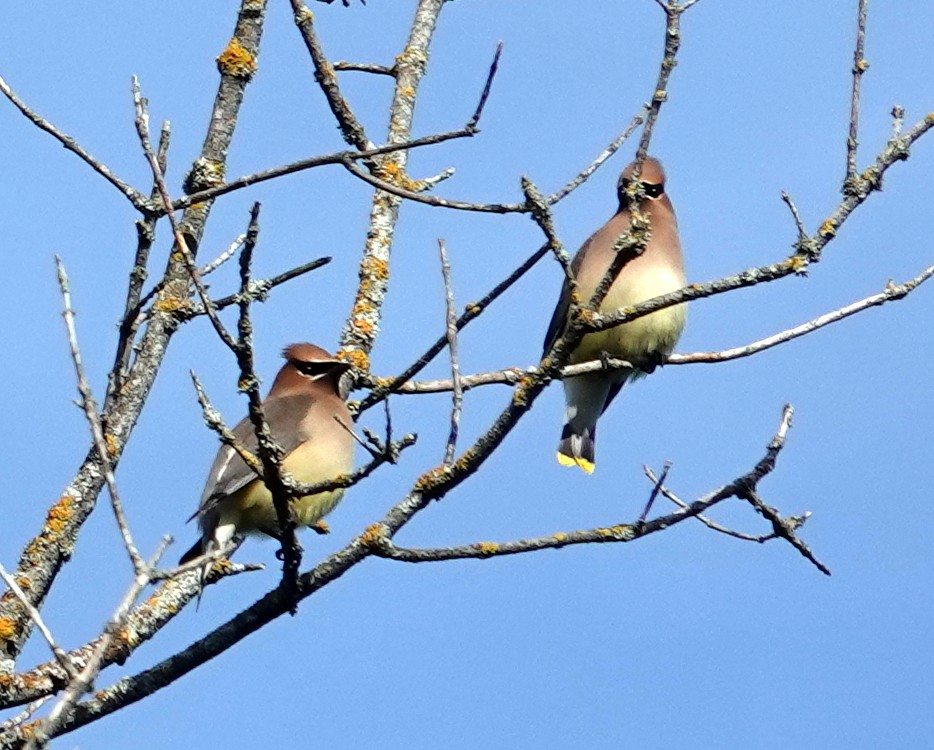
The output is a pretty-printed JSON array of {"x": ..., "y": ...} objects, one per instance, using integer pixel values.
[
  {"x": 196, "y": 550},
  {"x": 585, "y": 397},
  {"x": 576, "y": 447}
]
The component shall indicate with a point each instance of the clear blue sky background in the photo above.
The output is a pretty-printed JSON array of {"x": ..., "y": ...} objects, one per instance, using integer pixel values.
[{"x": 684, "y": 639}]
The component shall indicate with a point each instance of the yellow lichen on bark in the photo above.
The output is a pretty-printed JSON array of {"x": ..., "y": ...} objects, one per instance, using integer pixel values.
[
  {"x": 7, "y": 628},
  {"x": 373, "y": 535},
  {"x": 236, "y": 60}
]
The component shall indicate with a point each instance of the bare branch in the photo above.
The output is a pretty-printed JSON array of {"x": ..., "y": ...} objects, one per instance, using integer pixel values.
[
  {"x": 89, "y": 407},
  {"x": 382, "y": 545},
  {"x": 602, "y": 157},
  {"x": 338, "y": 157},
  {"x": 364, "y": 68},
  {"x": 513, "y": 375},
  {"x": 350, "y": 127},
  {"x": 258, "y": 289},
  {"x": 43, "y": 556},
  {"x": 472, "y": 310},
  {"x": 478, "y": 112},
  {"x": 60, "y": 655},
  {"x": 363, "y": 322},
  {"x": 457, "y": 401},
  {"x": 129, "y": 192},
  {"x": 223, "y": 257},
  {"x": 860, "y": 66}
]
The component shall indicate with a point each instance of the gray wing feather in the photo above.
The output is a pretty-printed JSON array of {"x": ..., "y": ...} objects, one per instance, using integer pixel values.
[
  {"x": 229, "y": 472},
  {"x": 559, "y": 317}
]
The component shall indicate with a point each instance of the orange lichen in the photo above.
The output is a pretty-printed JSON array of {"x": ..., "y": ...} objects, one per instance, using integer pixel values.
[
  {"x": 797, "y": 263},
  {"x": 170, "y": 304},
  {"x": 113, "y": 447},
  {"x": 488, "y": 548},
  {"x": 929, "y": 118},
  {"x": 431, "y": 478},
  {"x": 236, "y": 60},
  {"x": 373, "y": 535},
  {"x": 28, "y": 731},
  {"x": 24, "y": 583},
  {"x": 364, "y": 327},
  {"x": 375, "y": 268},
  {"x": 34, "y": 548},
  {"x": 560, "y": 537},
  {"x": 7, "y": 628},
  {"x": 357, "y": 358},
  {"x": 828, "y": 229},
  {"x": 520, "y": 396},
  {"x": 389, "y": 170},
  {"x": 862, "y": 65},
  {"x": 62, "y": 510}
]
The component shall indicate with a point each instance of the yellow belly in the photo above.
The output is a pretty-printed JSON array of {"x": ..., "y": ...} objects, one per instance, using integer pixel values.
[
  {"x": 645, "y": 338},
  {"x": 251, "y": 510}
]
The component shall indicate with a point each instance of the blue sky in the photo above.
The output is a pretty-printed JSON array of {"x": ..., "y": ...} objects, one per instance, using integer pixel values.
[{"x": 686, "y": 638}]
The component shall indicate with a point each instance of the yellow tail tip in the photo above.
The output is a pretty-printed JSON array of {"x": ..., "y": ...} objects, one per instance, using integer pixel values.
[{"x": 582, "y": 463}]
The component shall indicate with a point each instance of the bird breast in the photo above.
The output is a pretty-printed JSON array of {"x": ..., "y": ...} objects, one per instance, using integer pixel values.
[{"x": 645, "y": 338}]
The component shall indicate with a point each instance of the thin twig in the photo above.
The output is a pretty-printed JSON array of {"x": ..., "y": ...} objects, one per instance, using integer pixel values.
[
  {"x": 802, "y": 232},
  {"x": 654, "y": 493},
  {"x": 89, "y": 406},
  {"x": 364, "y": 68},
  {"x": 60, "y": 655},
  {"x": 181, "y": 243},
  {"x": 223, "y": 257},
  {"x": 132, "y": 194},
  {"x": 472, "y": 310},
  {"x": 82, "y": 683},
  {"x": 429, "y": 200},
  {"x": 380, "y": 539},
  {"x": 338, "y": 157},
  {"x": 487, "y": 87},
  {"x": 860, "y": 66},
  {"x": 258, "y": 290},
  {"x": 512, "y": 375},
  {"x": 710, "y": 524},
  {"x": 457, "y": 400},
  {"x": 602, "y": 157},
  {"x": 783, "y": 529},
  {"x": 351, "y": 128}
]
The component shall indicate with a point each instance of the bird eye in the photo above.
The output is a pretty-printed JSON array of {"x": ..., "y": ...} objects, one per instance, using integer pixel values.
[
  {"x": 313, "y": 369},
  {"x": 653, "y": 190}
]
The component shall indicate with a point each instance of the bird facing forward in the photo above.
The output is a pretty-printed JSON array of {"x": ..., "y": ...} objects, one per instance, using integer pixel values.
[
  {"x": 643, "y": 342},
  {"x": 311, "y": 423}
]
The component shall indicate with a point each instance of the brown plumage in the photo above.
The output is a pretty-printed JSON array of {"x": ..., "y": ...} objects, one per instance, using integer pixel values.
[
  {"x": 302, "y": 410},
  {"x": 643, "y": 342}
]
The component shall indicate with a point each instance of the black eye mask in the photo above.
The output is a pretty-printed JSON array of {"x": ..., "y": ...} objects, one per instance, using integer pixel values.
[
  {"x": 653, "y": 190},
  {"x": 314, "y": 369}
]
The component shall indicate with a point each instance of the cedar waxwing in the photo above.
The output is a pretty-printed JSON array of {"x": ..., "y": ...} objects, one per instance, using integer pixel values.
[
  {"x": 645, "y": 341},
  {"x": 302, "y": 410}
]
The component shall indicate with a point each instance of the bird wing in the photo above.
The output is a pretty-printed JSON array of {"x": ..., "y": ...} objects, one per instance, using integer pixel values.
[
  {"x": 559, "y": 317},
  {"x": 230, "y": 472}
]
